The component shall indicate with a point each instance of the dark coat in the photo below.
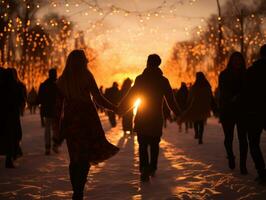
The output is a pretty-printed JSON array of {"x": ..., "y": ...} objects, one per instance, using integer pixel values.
[
  {"x": 181, "y": 97},
  {"x": 47, "y": 98},
  {"x": 23, "y": 90},
  {"x": 255, "y": 89},
  {"x": 151, "y": 87},
  {"x": 199, "y": 103},
  {"x": 3, "y": 109},
  {"x": 113, "y": 95},
  {"x": 32, "y": 97},
  {"x": 12, "y": 99},
  {"x": 78, "y": 122},
  {"x": 230, "y": 89}
]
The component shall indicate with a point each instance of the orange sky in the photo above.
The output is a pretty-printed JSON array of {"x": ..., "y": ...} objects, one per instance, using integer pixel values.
[{"x": 125, "y": 40}]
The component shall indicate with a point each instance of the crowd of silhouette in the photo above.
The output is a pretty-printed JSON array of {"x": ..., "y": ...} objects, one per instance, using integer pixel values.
[{"x": 69, "y": 107}]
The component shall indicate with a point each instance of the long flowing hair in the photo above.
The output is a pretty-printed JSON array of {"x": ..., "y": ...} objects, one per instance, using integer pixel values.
[{"x": 74, "y": 82}]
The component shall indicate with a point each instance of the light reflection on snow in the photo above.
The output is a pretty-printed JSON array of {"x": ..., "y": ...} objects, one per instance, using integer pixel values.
[{"x": 180, "y": 175}]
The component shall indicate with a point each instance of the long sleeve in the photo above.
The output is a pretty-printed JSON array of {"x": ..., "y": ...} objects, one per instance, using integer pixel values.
[
  {"x": 99, "y": 98},
  {"x": 169, "y": 96},
  {"x": 127, "y": 102}
]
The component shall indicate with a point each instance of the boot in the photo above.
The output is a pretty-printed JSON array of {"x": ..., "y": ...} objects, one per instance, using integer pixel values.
[
  {"x": 145, "y": 175},
  {"x": 243, "y": 168},
  {"x": 200, "y": 141},
  {"x": 78, "y": 176},
  {"x": 231, "y": 162},
  {"x": 9, "y": 162}
]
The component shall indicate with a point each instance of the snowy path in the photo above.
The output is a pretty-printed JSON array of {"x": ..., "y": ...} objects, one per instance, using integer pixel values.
[{"x": 186, "y": 170}]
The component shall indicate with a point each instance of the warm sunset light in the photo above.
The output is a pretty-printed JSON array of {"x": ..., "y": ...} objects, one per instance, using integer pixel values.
[
  {"x": 144, "y": 96},
  {"x": 136, "y": 105}
]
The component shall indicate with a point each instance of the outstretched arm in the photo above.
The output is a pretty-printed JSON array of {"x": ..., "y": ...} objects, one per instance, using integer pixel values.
[
  {"x": 170, "y": 99},
  {"x": 99, "y": 98},
  {"x": 127, "y": 102}
]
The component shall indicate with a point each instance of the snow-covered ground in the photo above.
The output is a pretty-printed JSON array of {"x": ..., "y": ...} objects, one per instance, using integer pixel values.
[{"x": 186, "y": 170}]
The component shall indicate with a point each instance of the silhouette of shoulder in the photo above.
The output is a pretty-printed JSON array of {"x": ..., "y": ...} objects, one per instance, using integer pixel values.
[{"x": 160, "y": 79}]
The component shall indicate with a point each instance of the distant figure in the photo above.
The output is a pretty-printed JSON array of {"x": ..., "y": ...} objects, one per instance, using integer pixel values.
[
  {"x": 102, "y": 93},
  {"x": 101, "y": 89},
  {"x": 255, "y": 108},
  {"x": 181, "y": 97},
  {"x": 199, "y": 105},
  {"x": 78, "y": 121},
  {"x": 231, "y": 82},
  {"x": 127, "y": 119},
  {"x": 151, "y": 87},
  {"x": 47, "y": 100},
  {"x": 113, "y": 95},
  {"x": 11, "y": 101},
  {"x": 32, "y": 100}
]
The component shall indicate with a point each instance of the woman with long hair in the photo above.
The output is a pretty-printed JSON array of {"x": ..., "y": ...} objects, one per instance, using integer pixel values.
[
  {"x": 199, "y": 105},
  {"x": 78, "y": 121},
  {"x": 231, "y": 82}
]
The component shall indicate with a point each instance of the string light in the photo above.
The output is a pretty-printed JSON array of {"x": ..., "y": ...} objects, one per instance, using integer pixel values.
[{"x": 164, "y": 10}]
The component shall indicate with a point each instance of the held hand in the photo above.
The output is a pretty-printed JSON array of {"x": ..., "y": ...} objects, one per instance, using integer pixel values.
[
  {"x": 178, "y": 119},
  {"x": 117, "y": 111}
]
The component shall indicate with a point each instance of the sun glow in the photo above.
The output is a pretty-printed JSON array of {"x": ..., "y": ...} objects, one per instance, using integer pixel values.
[{"x": 136, "y": 105}]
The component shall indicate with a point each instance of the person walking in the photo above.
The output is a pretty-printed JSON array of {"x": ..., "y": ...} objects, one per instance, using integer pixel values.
[
  {"x": 78, "y": 122},
  {"x": 47, "y": 100},
  {"x": 199, "y": 105},
  {"x": 255, "y": 109},
  {"x": 11, "y": 132},
  {"x": 113, "y": 95},
  {"x": 151, "y": 87},
  {"x": 32, "y": 100},
  {"x": 231, "y": 82},
  {"x": 181, "y": 97},
  {"x": 127, "y": 119}
]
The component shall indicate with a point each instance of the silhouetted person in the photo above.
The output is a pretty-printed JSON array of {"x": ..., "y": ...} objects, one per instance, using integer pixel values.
[
  {"x": 151, "y": 87},
  {"x": 231, "y": 82},
  {"x": 199, "y": 105},
  {"x": 32, "y": 100},
  {"x": 22, "y": 105},
  {"x": 127, "y": 119},
  {"x": 181, "y": 97},
  {"x": 11, "y": 100},
  {"x": 4, "y": 148},
  {"x": 80, "y": 124},
  {"x": 2, "y": 106},
  {"x": 23, "y": 89},
  {"x": 47, "y": 100},
  {"x": 255, "y": 108},
  {"x": 113, "y": 95}
]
